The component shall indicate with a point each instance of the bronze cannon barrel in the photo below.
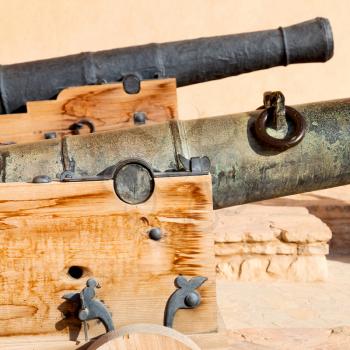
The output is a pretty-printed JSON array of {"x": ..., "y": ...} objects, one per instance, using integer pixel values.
[
  {"x": 243, "y": 170},
  {"x": 189, "y": 61}
]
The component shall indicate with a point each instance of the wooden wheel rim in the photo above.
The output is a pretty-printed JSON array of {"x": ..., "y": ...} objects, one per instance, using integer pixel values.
[{"x": 151, "y": 329}]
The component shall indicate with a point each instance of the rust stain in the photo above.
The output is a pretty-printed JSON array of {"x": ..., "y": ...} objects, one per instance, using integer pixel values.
[
  {"x": 4, "y": 226},
  {"x": 54, "y": 202},
  {"x": 13, "y": 311},
  {"x": 81, "y": 105},
  {"x": 194, "y": 199}
]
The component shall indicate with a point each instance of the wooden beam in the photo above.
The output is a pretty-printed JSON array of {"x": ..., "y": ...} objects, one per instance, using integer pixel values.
[
  {"x": 108, "y": 106},
  {"x": 47, "y": 228}
]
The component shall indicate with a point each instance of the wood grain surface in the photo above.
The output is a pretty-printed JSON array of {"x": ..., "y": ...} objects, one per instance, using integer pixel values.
[
  {"x": 47, "y": 228},
  {"x": 108, "y": 106},
  {"x": 144, "y": 337}
]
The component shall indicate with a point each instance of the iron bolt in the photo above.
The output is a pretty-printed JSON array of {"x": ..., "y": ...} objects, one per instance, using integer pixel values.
[
  {"x": 83, "y": 314},
  {"x": 41, "y": 179},
  {"x": 155, "y": 233},
  {"x": 50, "y": 135},
  {"x": 131, "y": 84},
  {"x": 192, "y": 299},
  {"x": 140, "y": 118}
]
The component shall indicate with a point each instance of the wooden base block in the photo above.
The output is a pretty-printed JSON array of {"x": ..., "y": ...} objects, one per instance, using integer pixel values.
[{"x": 46, "y": 229}]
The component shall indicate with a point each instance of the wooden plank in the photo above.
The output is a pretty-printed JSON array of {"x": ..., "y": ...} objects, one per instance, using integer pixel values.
[
  {"x": 108, "y": 106},
  {"x": 47, "y": 228}
]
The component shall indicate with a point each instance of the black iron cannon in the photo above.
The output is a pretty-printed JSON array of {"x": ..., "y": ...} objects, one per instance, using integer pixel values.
[{"x": 189, "y": 61}]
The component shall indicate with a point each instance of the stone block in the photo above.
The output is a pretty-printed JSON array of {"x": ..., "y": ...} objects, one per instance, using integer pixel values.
[
  {"x": 308, "y": 269},
  {"x": 254, "y": 268},
  {"x": 264, "y": 267},
  {"x": 265, "y": 248},
  {"x": 313, "y": 249},
  {"x": 262, "y": 223},
  {"x": 279, "y": 265}
]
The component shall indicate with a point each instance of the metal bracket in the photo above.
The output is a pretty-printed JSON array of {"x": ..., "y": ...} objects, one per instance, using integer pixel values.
[
  {"x": 90, "y": 308},
  {"x": 75, "y": 127},
  {"x": 198, "y": 165},
  {"x": 70, "y": 176},
  {"x": 132, "y": 83},
  {"x": 190, "y": 167},
  {"x": 185, "y": 297},
  {"x": 50, "y": 135}
]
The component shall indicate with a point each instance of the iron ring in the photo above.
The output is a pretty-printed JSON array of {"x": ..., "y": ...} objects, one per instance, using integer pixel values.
[
  {"x": 287, "y": 142},
  {"x": 75, "y": 127}
]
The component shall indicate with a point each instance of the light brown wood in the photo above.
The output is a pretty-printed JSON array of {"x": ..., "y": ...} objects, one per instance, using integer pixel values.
[
  {"x": 143, "y": 342},
  {"x": 144, "y": 337},
  {"x": 108, "y": 106},
  {"x": 46, "y": 228}
]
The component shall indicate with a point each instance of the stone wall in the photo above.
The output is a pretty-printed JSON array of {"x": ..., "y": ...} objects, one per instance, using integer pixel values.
[
  {"x": 332, "y": 206},
  {"x": 259, "y": 242}
]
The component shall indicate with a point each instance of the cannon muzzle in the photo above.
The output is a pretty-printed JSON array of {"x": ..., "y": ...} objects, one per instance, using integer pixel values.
[{"x": 189, "y": 61}]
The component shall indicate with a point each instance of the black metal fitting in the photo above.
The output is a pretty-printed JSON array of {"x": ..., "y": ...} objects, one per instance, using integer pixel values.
[
  {"x": 75, "y": 127},
  {"x": 185, "y": 297},
  {"x": 140, "y": 118},
  {"x": 193, "y": 299},
  {"x": 133, "y": 181},
  {"x": 50, "y": 135},
  {"x": 155, "y": 233},
  {"x": 127, "y": 176},
  {"x": 195, "y": 165},
  {"x": 41, "y": 179},
  {"x": 90, "y": 308},
  {"x": 132, "y": 84}
]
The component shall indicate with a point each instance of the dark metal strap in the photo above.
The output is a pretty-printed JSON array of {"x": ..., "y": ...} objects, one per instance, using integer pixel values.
[
  {"x": 75, "y": 127},
  {"x": 185, "y": 297},
  {"x": 274, "y": 105}
]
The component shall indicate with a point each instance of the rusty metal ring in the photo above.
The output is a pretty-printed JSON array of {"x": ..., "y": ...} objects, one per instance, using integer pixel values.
[
  {"x": 281, "y": 144},
  {"x": 75, "y": 127}
]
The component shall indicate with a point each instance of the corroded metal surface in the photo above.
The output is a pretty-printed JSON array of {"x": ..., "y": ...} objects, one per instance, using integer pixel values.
[
  {"x": 189, "y": 61},
  {"x": 242, "y": 169},
  {"x": 26, "y": 161}
]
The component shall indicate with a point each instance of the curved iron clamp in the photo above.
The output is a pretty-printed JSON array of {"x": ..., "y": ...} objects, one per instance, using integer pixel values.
[
  {"x": 274, "y": 102},
  {"x": 91, "y": 308},
  {"x": 185, "y": 297},
  {"x": 75, "y": 127}
]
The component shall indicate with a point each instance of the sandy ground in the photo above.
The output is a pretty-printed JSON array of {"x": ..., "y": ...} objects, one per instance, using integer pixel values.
[{"x": 284, "y": 315}]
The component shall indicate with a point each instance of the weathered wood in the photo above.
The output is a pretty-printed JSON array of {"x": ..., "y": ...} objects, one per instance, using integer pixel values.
[
  {"x": 47, "y": 228},
  {"x": 144, "y": 337},
  {"x": 108, "y": 106}
]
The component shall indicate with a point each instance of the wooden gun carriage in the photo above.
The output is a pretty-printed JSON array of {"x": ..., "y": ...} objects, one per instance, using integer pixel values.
[{"x": 90, "y": 245}]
